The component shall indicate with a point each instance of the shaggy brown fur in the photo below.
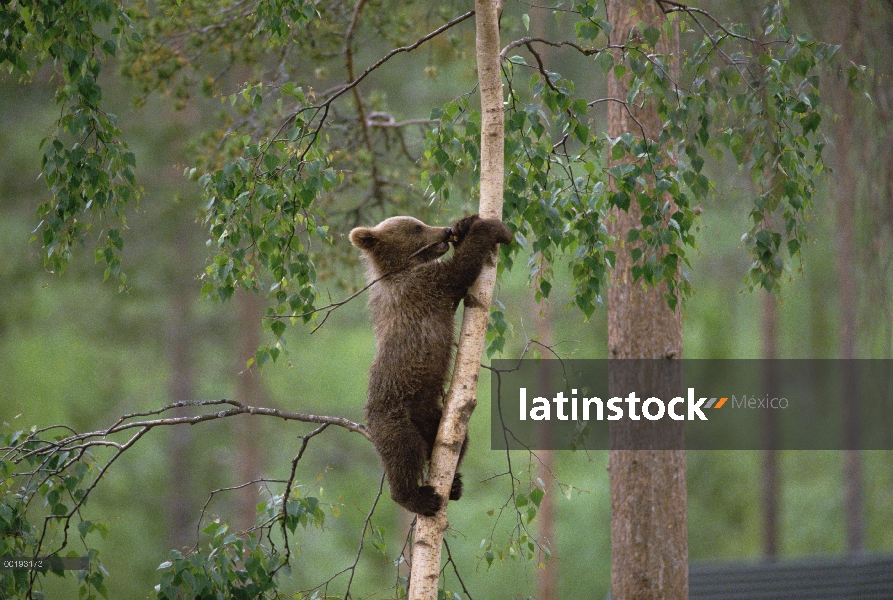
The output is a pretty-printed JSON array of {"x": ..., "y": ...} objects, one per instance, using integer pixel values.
[{"x": 413, "y": 308}]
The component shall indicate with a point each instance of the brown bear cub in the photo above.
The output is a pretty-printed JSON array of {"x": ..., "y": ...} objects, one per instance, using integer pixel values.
[{"x": 413, "y": 307}]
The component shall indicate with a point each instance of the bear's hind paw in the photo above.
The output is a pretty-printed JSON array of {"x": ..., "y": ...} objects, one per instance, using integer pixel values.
[
  {"x": 456, "y": 489},
  {"x": 427, "y": 502}
]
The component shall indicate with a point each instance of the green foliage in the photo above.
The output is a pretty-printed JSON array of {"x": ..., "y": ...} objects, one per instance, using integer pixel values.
[
  {"x": 767, "y": 115},
  {"x": 496, "y": 329},
  {"x": 521, "y": 543},
  {"x": 42, "y": 493},
  {"x": 269, "y": 177},
  {"x": 262, "y": 217},
  {"x": 757, "y": 99},
  {"x": 270, "y": 173},
  {"x": 239, "y": 565},
  {"x": 225, "y": 32},
  {"x": 45, "y": 486},
  {"x": 88, "y": 168},
  {"x": 231, "y": 567}
]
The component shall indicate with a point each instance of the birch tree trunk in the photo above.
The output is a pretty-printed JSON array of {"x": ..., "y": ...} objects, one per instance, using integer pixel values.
[
  {"x": 461, "y": 401},
  {"x": 649, "y": 538}
]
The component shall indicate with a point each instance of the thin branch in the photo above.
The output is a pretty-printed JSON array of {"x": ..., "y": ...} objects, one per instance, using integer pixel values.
[
  {"x": 520, "y": 526},
  {"x": 352, "y": 568},
  {"x": 318, "y": 113},
  {"x": 329, "y": 308},
  {"x": 542, "y": 67},
  {"x": 626, "y": 107},
  {"x": 349, "y": 86},
  {"x": 361, "y": 110},
  {"x": 19, "y": 452},
  {"x": 237, "y": 408},
  {"x": 679, "y": 7},
  {"x": 455, "y": 568},
  {"x": 356, "y": 560},
  {"x": 67, "y": 517},
  {"x": 213, "y": 493},
  {"x": 551, "y": 9},
  {"x": 525, "y": 41},
  {"x": 305, "y": 439},
  {"x": 382, "y": 119}
]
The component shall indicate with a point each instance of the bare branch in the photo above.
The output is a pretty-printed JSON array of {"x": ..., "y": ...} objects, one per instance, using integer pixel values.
[
  {"x": 66, "y": 518},
  {"x": 213, "y": 493},
  {"x": 353, "y": 566},
  {"x": 283, "y": 516},
  {"x": 626, "y": 107},
  {"x": 679, "y": 7},
  {"x": 455, "y": 568},
  {"x": 526, "y": 41},
  {"x": 542, "y": 67},
  {"x": 237, "y": 408},
  {"x": 382, "y": 119},
  {"x": 334, "y": 93},
  {"x": 693, "y": 12},
  {"x": 361, "y": 110},
  {"x": 356, "y": 560},
  {"x": 81, "y": 441},
  {"x": 329, "y": 308}
]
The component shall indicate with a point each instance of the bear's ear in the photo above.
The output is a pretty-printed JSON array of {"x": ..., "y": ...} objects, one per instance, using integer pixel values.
[{"x": 363, "y": 238}]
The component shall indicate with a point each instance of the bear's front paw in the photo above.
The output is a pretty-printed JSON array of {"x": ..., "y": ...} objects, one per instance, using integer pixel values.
[
  {"x": 461, "y": 228},
  {"x": 505, "y": 234},
  {"x": 456, "y": 490},
  {"x": 428, "y": 502},
  {"x": 499, "y": 231}
]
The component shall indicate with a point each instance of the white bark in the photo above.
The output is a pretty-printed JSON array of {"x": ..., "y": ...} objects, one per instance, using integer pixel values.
[{"x": 461, "y": 400}]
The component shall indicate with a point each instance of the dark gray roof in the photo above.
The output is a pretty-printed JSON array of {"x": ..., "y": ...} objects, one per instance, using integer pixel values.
[{"x": 862, "y": 578}]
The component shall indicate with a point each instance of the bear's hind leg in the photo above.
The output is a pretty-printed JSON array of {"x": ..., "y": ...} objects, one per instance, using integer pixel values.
[{"x": 403, "y": 453}]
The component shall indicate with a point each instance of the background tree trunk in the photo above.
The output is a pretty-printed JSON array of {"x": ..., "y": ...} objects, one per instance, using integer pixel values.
[
  {"x": 649, "y": 537},
  {"x": 848, "y": 17},
  {"x": 770, "y": 431},
  {"x": 249, "y": 389},
  {"x": 546, "y": 576},
  {"x": 460, "y": 400},
  {"x": 180, "y": 351}
]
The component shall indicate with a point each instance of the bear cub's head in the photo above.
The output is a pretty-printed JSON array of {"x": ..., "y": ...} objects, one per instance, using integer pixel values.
[{"x": 400, "y": 242}]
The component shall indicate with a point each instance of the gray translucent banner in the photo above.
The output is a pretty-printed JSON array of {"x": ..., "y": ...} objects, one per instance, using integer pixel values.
[{"x": 692, "y": 404}]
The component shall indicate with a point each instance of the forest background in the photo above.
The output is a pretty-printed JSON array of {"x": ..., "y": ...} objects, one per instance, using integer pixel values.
[{"x": 77, "y": 350}]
